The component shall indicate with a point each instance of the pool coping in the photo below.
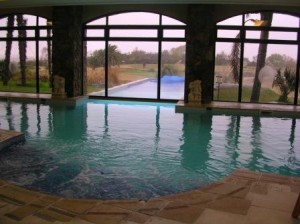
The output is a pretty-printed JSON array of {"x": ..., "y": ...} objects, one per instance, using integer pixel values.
[
  {"x": 8, "y": 138},
  {"x": 233, "y": 108}
]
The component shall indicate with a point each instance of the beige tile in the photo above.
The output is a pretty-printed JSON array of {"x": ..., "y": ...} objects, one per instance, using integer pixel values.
[
  {"x": 226, "y": 188},
  {"x": 51, "y": 214},
  {"x": 258, "y": 215},
  {"x": 231, "y": 205},
  {"x": 104, "y": 213},
  {"x": 22, "y": 212},
  {"x": 194, "y": 197},
  {"x": 44, "y": 201},
  {"x": 152, "y": 207},
  {"x": 283, "y": 201},
  {"x": 73, "y": 221},
  {"x": 34, "y": 220},
  {"x": 132, "y": 205},
  {"x": 181, "y": 212},
  {"x": 246, "y": 174},
  {"x": 275, "y": 178},
  {"x": 75, "y": 206},
  {"x": 218, "y": 217},
  {"x": 157, "y": 220},
  {"x": 104, "y": 218},
  {"x": 108, "y": 209},
  {"x": 136, "y": 217},
  {"x": 18, "y": 194},
  {"x": 6, "y": 220},
  {"x": 259, "y": 188},
  {"x": 8, "y": 208}
]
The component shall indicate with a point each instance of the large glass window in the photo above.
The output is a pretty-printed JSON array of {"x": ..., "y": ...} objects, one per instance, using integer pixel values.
[
  {"x": 136, "y": 55},
  {"x": 25, "y": 56},
  {"x": 257, "y": 58}
]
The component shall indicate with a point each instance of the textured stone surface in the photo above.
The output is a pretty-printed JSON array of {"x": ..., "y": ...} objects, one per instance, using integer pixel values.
[
  {"x": 67, "y": 47},
  {"x": 200, "y": 41}
]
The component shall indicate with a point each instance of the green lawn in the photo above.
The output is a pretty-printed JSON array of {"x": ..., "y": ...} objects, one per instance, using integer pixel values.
[
  {"x": 231, "y": 94},
  {"x": 15, "y": 86}
]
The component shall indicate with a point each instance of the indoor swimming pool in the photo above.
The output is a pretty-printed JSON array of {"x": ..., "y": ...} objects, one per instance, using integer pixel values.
[{"x": 120, "y": 150}]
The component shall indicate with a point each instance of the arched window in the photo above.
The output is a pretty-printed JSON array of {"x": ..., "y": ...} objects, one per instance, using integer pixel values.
[
  {"x": 135, "y": 55},
  {"x": 257, "y": 58},
  {"x": 25, "y": 56}
]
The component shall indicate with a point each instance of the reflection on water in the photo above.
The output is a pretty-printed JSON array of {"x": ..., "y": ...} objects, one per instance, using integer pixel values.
[{"x": 122, "y": 150}]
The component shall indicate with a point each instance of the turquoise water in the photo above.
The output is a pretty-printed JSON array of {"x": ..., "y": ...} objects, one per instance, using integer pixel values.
[{"x": 117, "y": 150}]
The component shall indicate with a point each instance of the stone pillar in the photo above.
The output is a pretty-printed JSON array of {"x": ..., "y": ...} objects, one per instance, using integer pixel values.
[
  {"x": 67, "y": 48},
  {"x": 200, "y": 43}
]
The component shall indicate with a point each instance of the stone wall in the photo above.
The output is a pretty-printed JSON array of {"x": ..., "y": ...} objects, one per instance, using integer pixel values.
[
  {"x": 200, "y": 35},
  {"x": 67, "y": 48}
]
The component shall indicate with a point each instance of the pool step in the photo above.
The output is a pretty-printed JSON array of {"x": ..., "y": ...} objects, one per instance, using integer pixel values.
[{"x": 8, "y": 138}]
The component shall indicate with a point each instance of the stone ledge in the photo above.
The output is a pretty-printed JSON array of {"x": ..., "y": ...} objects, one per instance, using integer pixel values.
[{"x": 8, "y": 138}]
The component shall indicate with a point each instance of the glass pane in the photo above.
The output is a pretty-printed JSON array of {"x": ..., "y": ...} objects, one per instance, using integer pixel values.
[
  {"x": 228, "y": 33},
  {"x": 283, "y": 20},
  {"x": 173, "y": 70},
  {"x": 101, "y": 21},
  {"x": 132, "y": 69},
  {"x": 21, "y": 77},
  {"x": 45, "y": 66},
  {"x": 30, "y": 20},
  {"x": 95, "y": 67},
  {"x": 132, "y": 33},
  {"x": 260, "y": 74},
  {"x": 134, "y": 18},
  {"x": 45, "y": 33},
  {"x": 95, "y": 33},
  {"x": 174, "y": 33},
  {"x": 42, "y": 21},
  {"x": 273, "y": 35},
  {"x": 3, "y": 22},
  {"x": 236, "y": 20},
  {"x": 252, "y": 19},
  {"x": 170, "y": 21},
  {"x": 226, "y": 75},
  {"x": 3, "y": 33}
]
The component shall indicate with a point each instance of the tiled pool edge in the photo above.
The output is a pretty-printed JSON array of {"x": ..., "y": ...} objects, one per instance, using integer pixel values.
[
  {"x": 8, "y": 138},
  {"x": 243, "y": 196}
]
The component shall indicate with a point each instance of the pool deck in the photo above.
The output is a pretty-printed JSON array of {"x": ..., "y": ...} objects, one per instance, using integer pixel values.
[{"x": 244, "y": 197}]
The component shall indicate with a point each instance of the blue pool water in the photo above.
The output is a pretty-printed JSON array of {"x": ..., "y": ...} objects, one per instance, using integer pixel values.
[
  {"x": 172, "y": 88},
  {"x": 118, "y": 150}
]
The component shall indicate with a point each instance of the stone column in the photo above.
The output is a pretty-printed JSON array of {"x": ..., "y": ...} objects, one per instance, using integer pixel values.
[
  {"x": 200, "y": 43},
  {"x": 67, "y": 48}
]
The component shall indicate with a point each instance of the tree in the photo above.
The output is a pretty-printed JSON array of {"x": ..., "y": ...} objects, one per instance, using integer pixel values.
[
  {"x": 285, "y": 82},
  {"x": 97, "y": 58},
  {"x": 22, "y": 47},
  {"x": 222, "y": 58},
  {"x": 49, "y": 48},
  {"x": 280, "y": 60},
  {"x": 261, "y": 56},
  {"x": 6, "y": 71}
]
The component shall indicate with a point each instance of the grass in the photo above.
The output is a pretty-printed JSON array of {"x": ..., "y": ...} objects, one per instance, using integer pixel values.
[
  {"x": 15, "y": 86},
  {"x": 231, "y": 94}
]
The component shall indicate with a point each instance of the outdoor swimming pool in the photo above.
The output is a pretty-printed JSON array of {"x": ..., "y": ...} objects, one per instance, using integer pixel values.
[
  {"x": 172, "y": 88},
  {"x": 118, "y": 150}
]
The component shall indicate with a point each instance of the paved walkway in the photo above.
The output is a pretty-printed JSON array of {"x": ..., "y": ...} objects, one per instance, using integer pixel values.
[{"x": 243, "y": 198}]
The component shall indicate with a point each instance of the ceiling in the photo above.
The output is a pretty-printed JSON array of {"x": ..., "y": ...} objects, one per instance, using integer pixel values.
[{"x": 38, "y": 3}]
